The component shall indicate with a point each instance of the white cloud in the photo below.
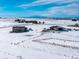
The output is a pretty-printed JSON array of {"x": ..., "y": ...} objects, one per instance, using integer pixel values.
[
  {"x": 67, "y": 10},
  {"x": 70, "y": 9},
  {"x": 42, "y": 2}
]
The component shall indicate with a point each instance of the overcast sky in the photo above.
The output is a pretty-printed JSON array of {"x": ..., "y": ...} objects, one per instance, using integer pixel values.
[{"x": 46, "y": 8}]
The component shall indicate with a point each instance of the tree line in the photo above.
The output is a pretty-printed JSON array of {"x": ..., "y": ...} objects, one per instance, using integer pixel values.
[{"x": 29, "y": 21}]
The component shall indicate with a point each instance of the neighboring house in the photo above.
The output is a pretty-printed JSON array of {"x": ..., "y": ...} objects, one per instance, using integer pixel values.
[
  {"x": 74, "y": 19},
  {"x": 75, "y": 25},
  {"x": 19, "y": 29},
  {"x": 55, "y": 28}
]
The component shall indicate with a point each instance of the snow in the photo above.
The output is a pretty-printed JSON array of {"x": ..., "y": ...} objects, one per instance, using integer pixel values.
[{"x": 38, "y": 45}]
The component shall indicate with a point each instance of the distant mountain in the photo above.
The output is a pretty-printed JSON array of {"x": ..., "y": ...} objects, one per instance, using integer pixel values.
[
  {"x": 51, "y": 18},
  {"x": 35, "y": 17}
]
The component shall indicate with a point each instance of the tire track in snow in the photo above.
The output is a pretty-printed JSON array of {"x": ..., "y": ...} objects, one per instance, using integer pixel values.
[
  {"x": 56, "y": 44},
  {"x": 59, "y": 39}
]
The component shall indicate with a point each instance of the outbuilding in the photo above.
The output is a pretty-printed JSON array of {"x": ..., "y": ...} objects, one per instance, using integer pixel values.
[
  {"x": 56, "y": 29},
  {"x": 19, "y": 29}
]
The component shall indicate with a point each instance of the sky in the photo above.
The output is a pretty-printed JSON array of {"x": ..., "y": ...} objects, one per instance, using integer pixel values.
[{"x": 44, "y": 8}]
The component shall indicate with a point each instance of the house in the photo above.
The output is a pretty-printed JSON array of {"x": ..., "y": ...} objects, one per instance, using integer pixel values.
[
  {"x": 58, "y": 28},
  {"x": 19, "y": 29},
  {"x": 75, "y": 25},
  {"x": 55, "y": 29},
  {"x": 74, "y": 20}
]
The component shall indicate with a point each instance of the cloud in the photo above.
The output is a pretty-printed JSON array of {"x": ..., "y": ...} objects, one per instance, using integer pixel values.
[
  {"x": 59, "y": 8},
  {"x": 63, "y": 11},
  {"x": 43, "y": 2}
]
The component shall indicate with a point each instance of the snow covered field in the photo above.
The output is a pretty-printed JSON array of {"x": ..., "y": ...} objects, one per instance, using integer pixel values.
[{"x": 38, "y": 45}]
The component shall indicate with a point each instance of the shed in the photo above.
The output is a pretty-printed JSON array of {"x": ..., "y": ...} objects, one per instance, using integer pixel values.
[
  {"x": 75, "y": 25},
  {"x": 18, "y": 29},
  {"x": 57, "y": 28}
]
